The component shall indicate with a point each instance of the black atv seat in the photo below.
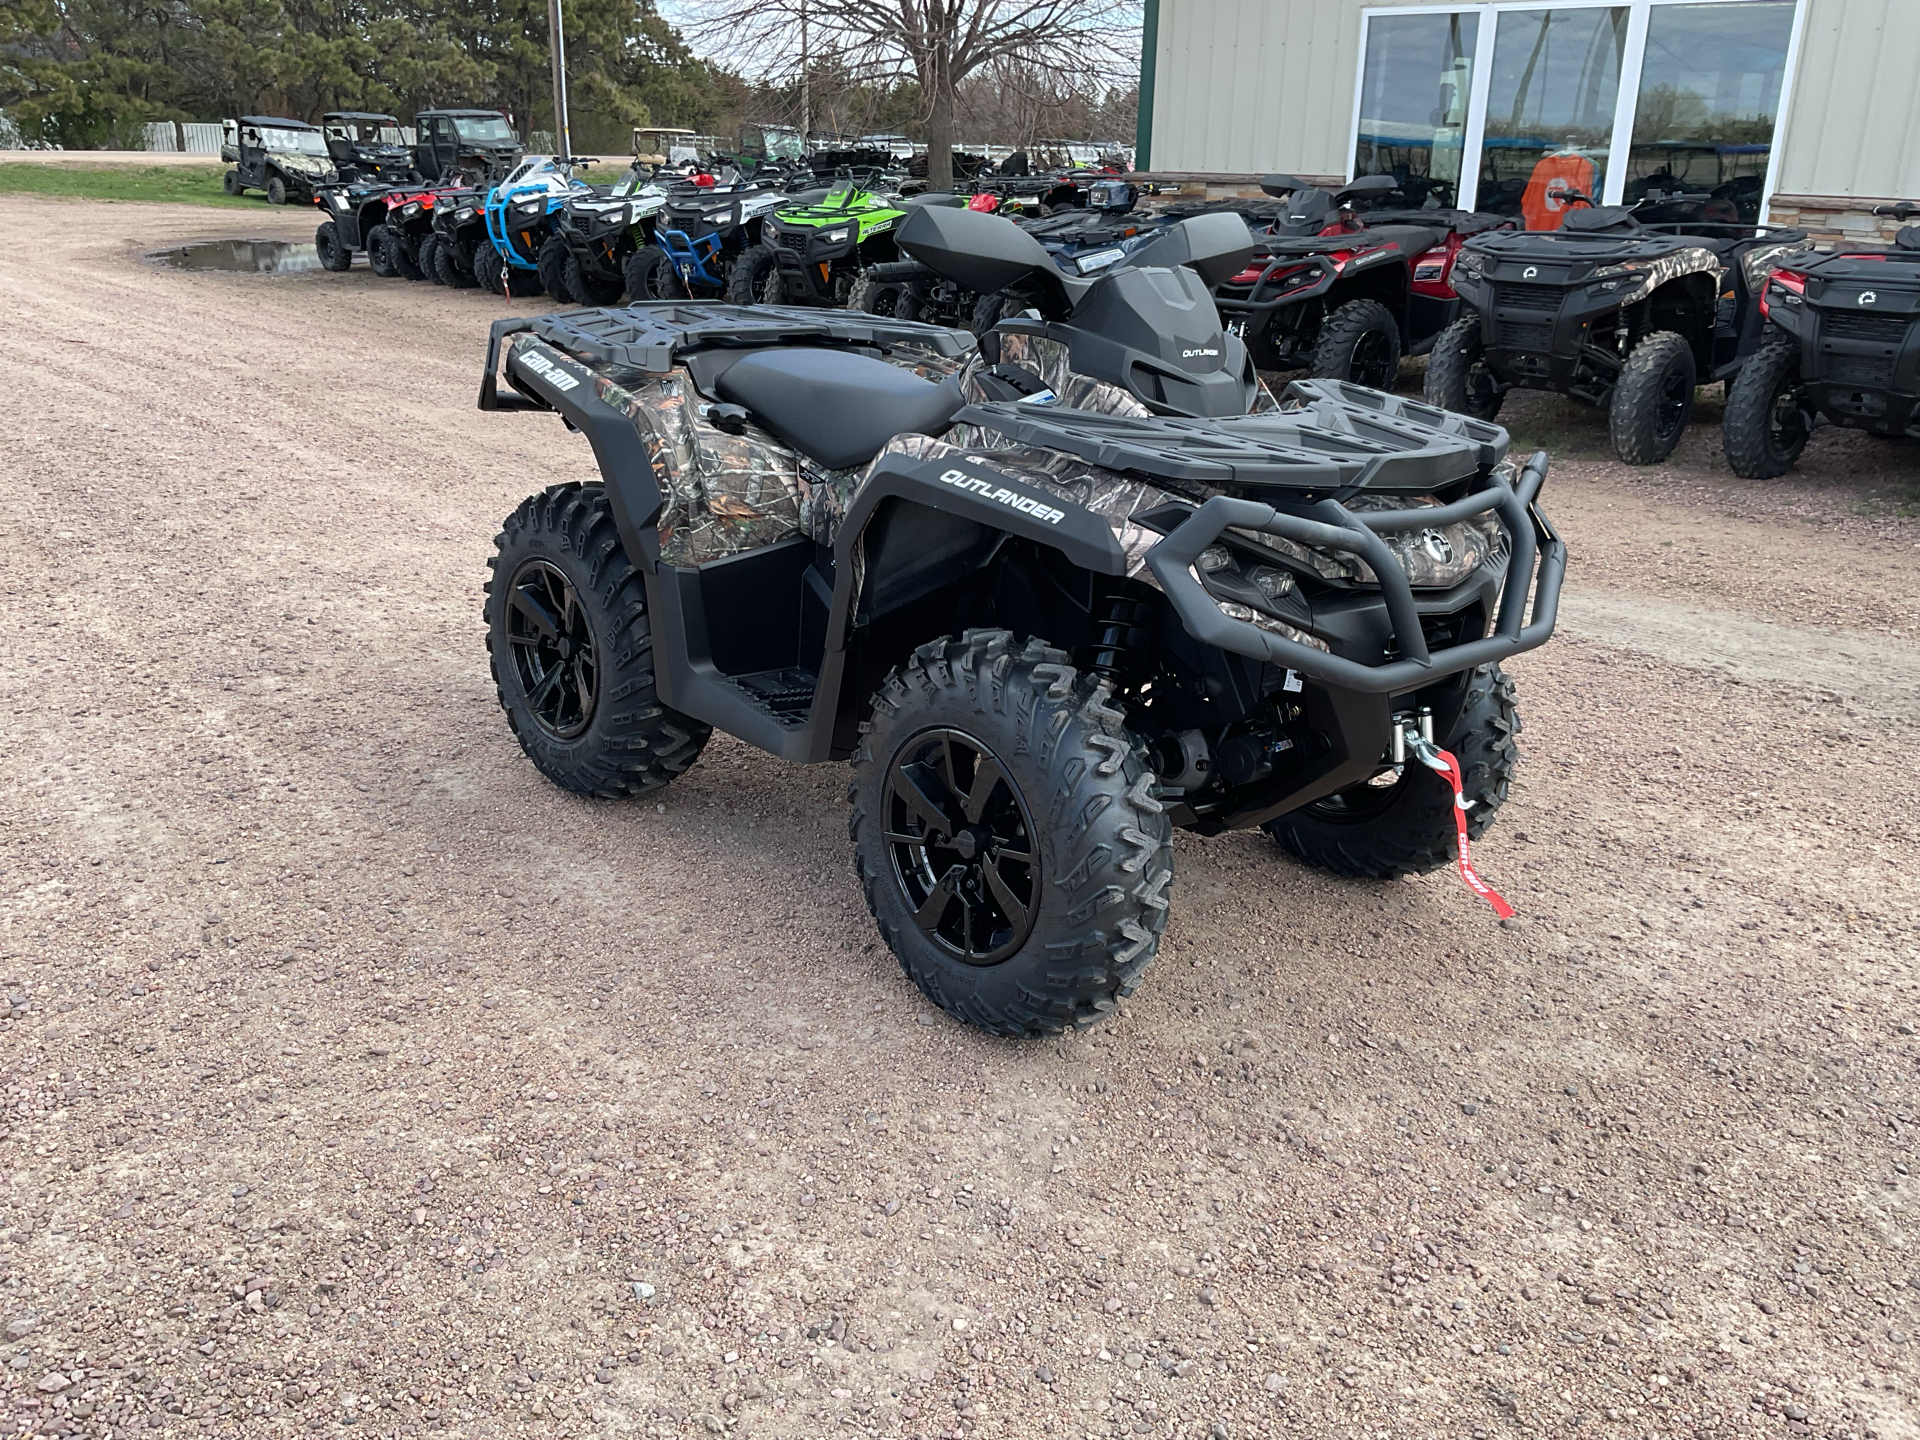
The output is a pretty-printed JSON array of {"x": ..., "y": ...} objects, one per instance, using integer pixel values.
[
  {"x": 836, "y": 408},
  {"x": 1412, "y": 239},
  {"x": 1600, "y": 218}
]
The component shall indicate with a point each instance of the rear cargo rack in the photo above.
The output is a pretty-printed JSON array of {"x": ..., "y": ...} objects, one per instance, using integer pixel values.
[{"x": 651, "y": 334}]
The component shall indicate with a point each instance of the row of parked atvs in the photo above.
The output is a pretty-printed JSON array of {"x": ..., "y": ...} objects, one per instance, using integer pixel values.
[{"x": 1628, "y": 309}]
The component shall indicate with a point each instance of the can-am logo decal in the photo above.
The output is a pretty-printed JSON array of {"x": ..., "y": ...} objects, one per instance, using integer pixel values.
[
  {"x": 548, "y": 371},
  {"x": 1000, "y": 495},
  {"x": 1529, "y": 272},
  {"x": 1867, "y": 297}
]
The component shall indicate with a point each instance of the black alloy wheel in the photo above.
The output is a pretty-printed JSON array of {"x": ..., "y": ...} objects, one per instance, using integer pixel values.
[
  {"x": 1376, "y": 361},
  {"x": 553, "y": 650},
  {"x": 962, "y": 846}
]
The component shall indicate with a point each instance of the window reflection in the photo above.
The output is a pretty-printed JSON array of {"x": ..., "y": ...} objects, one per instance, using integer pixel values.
[
  {"x": 1413, "y": 104},
  {"x": 1550, "y": 109},
  {"x": 1709, "y": 90}
]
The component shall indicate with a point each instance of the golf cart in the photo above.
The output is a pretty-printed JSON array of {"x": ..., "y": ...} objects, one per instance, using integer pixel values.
[
  {"x": 367, "y": 146},
  {"x": 285, "y": 158},
  {"x": 468, "y": 147}
]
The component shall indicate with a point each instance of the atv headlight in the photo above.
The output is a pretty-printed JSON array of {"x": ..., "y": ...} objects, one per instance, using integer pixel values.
[
  {"x": 527, "y": 207},
  {"x": 1614, "y": 272},
  {"x": 466, "y": 214},
  {"x": 1099, "y": 260},
  {"x": 834, "y": 237},
  {"x": 1469, "y": 264},
  {"x": 412, "y": 207}
]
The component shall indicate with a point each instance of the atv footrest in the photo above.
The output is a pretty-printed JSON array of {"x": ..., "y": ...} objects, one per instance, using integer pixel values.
[{"x": 784, "y": 696}]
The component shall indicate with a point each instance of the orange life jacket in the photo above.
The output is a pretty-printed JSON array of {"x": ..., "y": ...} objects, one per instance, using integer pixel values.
[{"x": 1555, "y": 172}]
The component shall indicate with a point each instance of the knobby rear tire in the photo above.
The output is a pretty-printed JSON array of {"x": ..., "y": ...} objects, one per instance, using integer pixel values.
[{"x": 633, "y": 743}]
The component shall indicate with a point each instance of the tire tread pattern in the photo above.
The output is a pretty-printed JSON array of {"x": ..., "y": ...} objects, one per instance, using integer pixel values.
[
  {"x": 635, "y": 743},
  {"x": 1745, "y": 427},
  {"x": 1343, "y": 331},
  {"x": 1105, "y": 838},
  {"x": 1633, "y": 413}
]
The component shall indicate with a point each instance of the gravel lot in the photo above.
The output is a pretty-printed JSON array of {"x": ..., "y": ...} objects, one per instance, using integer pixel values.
[{"x": 355, "y": 1076}]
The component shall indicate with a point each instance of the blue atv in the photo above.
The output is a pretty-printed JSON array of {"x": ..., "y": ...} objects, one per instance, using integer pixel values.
[{"x": 528, "y": 254}]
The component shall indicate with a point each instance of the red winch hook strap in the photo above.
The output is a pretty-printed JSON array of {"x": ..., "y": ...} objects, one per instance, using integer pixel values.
[{"x": 1443, "y": 761}]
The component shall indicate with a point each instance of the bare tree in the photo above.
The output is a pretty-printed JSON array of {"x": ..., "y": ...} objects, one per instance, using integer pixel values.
[{"x": 939, "y": 43}]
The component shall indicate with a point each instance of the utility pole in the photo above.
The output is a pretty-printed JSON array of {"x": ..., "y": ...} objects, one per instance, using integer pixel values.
[
  {"x": 562, "y": 139},
  {"x": 806, "y": 80}
]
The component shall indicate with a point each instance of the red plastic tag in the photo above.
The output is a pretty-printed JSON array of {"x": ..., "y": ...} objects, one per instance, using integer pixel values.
[{"x": 1450, "y": 768}]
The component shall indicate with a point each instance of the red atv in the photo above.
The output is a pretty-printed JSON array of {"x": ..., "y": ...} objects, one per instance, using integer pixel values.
[{"x": 1343, "y": 291}]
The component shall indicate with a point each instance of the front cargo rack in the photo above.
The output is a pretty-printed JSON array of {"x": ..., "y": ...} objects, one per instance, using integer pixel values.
[{"x": 1328, "y": 439}]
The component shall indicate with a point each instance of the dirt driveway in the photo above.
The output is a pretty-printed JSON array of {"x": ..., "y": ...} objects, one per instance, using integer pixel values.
[{"x": 355, "y": 1076}]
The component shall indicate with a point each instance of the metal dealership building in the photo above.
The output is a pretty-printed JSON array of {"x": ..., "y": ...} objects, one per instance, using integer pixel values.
[{"x": 1795, "y": 111}]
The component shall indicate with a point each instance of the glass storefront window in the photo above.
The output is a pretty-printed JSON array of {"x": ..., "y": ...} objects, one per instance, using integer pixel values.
[
  {"x": 1413, "y": 104},
  {"x": 1709, "y": 90},
  {"x": 1550, "y": 109}
]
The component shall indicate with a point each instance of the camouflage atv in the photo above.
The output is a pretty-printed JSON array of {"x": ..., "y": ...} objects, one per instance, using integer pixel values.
[{"x": 1052, "y": 598}]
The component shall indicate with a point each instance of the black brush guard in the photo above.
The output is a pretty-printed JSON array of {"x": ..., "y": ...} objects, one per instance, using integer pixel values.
[{"x": 1533, "y": 547}]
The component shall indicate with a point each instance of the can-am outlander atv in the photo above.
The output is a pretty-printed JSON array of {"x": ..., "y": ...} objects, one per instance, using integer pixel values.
[
  {"x": 1049, "y": 606},
  {"x": 1344, "y": 294},
  {"x": 1843, "y": 345},
  {"x": 1627, "y": 311}
]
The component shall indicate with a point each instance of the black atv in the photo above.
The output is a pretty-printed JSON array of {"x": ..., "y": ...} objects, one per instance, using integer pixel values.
[
  {"x": 459, "y": 235},
  {"x": 367, "y": 146},
  {"x": 604, "y": 231},
  {"x": 1044, "y": 636},
  {"x": 1843, "y": 345},
  {"x": 354, "y": 212},
  {"x": 1344, "y": 294},
  {"x": 1627, "y": 309}
]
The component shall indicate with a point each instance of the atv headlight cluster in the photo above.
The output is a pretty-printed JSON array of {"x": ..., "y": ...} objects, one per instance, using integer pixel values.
[
  {"x": 466, "y": 214},
  {"x": 834, "y": 237},
  {"x": 412, "y": 207},
  {"x": 1247, "y": 590},
  {"x": 1099, "y": 259},
  {"x": 527, "y": 207},
  {"x": 1469, "y": 264}
]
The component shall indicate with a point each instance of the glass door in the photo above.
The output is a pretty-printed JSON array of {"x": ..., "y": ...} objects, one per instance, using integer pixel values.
[
  {"x": 1414, "y": 88},
  {"x": 1710, "y": 86},
  {"x": 1555, "y": 85}
]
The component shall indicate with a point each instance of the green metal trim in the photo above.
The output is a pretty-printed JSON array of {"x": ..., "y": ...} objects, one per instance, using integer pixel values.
[{"x": 1149, "y": 54}]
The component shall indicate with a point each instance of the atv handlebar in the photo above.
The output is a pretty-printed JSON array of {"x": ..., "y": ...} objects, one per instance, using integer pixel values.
[
  {"x": 1533, "y": 540},
  {"x": 1905, "y": 210}
]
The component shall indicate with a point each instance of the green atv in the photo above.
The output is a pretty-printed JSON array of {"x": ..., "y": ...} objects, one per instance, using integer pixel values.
[{"x": 814, "y": 252}]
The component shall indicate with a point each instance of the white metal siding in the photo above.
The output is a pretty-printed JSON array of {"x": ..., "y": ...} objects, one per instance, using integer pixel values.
[
  {"x": 1255, "y": 85},
  {"x": 1248, "y": 86},
  {"x": 1853, "y": 120}
]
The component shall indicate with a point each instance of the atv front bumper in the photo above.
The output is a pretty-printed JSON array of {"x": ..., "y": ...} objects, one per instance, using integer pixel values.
[{"x": 1536, "y": 563}]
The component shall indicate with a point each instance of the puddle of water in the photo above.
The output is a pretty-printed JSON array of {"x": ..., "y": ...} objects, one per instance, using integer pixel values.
[{"x": 258, "y": 257}]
